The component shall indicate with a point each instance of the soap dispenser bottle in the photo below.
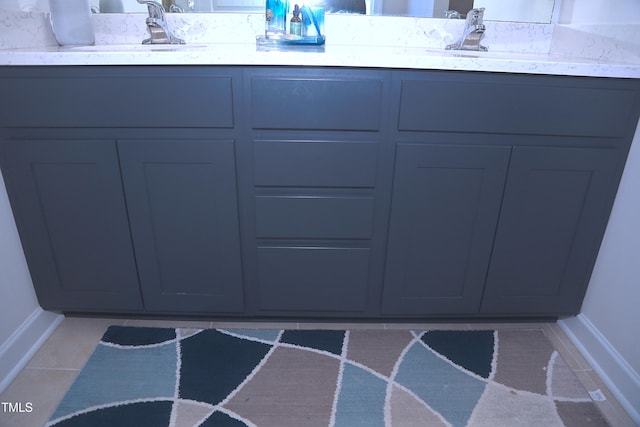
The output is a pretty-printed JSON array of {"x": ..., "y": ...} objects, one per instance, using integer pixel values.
[{"x": 295, "y": 26}]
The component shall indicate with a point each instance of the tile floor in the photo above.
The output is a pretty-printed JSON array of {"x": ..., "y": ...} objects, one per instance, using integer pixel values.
[{"x": 51, "y": 371}]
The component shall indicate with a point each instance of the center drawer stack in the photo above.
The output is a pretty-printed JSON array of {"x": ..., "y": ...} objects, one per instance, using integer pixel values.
[{"x": 316, "y": 145}]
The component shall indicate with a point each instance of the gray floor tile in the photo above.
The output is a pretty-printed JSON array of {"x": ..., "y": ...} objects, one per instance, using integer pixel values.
[
  {"x": 198, "y": 324},
  {"x": 43, "y": 388},
  {"x": 566, "y": 348},
  {"x": 71, "y": 343},
  {"x": 428, "y": 326},
  {"x": 505, "y": 326},
  {"x": 254, "y": 325},
  {"x": 563, "y": 346},
  {"x": 610, "y": 408}
]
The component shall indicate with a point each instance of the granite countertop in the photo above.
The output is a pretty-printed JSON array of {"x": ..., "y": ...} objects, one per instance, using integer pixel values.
[
  {"x": 333, "y": 55},
  {"x": 352, "y": 41}
]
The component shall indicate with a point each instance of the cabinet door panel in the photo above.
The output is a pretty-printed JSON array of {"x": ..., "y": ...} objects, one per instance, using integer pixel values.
[
  {"x": 67, "y": 98},
  {"x": 324, "y": 103},
  {"x": 184, "y": 219},
  {"x": 314, "y": 217},
  {"x": 554, "y": 105},
  {"x": 70, "y": 211},
  {"x": 313, "y": 279},
  {"x": 445, "y": 206},
  {"x": 315, "y": 163},
  {"x": 554, "y": 214}
]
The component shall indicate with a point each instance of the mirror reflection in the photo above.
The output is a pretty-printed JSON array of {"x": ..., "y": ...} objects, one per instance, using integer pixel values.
[{"x": 539, "y": 11}]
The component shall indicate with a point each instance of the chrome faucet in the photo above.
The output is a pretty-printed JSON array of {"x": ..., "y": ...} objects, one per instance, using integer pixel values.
[
  {"x": 157, "y": 25},
  {"x": 473, "y": 32}
]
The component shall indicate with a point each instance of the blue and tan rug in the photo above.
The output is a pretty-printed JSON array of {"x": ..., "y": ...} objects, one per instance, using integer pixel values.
[{"x": 152, "y": 377}]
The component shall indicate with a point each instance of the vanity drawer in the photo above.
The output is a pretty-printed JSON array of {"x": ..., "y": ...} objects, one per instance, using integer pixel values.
[
  {"x": 112, "y": 97},
  {"x": 314, "y": 217},
  {"x": 528, "y": 105},
  {"x": 316, "y": 103},
  {"x": 315, "y": 163},
  {"x": 313, "y": 278}
]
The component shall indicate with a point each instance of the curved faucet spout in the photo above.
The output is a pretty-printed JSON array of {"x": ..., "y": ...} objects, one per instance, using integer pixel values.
[
  {"x": 156, "y": 10},
  {"x": 473, "y": 32},
  {"x": 157, "y": 25}
]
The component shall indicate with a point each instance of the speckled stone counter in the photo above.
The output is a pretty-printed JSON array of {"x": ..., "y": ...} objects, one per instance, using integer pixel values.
[
  {"x": 352, "y": 41},
  {"x": 333, "y": 56}
]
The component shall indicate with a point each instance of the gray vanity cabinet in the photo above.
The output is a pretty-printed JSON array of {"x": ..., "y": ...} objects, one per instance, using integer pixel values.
[
  {"x": 310, "y": 192},
  {"x": 70, "y": 211},
  {"x": 183, "y": 209},
  {"x": 554, "y": 213},
  {"x": 444, "y": 212}
]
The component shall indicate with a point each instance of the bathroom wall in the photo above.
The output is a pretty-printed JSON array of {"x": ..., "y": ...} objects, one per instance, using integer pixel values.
[
  {"x": 17, "y": 298},
  {"x": 24, "y": 5},
  {"x": 118, "y": 6},
  {"x": 23, "y": 324},
  {"x": 599, "y": 11},
  {"x": 428, "y": 8},
  {"x": 607, "y": 329},
  {"x": 396, "y": 7},
  {"x": 518, "y": 10}
]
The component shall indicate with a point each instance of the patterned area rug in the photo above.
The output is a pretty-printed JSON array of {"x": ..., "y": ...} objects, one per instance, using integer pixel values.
[{"x": 191, "y": 377}]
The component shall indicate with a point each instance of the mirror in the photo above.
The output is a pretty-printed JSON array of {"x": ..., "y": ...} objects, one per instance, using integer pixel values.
[{"x": 539, "y": 11}]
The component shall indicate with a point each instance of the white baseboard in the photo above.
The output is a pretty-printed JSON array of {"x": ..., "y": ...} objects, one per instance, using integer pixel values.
[
  {"x": 622, "y": 379},
  {"x": 16, "y": 352}
]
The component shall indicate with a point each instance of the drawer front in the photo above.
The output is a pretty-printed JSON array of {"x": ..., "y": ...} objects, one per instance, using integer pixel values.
[
  {"x": 315, "y": 163},
  {"x": 121, "y": 101},
  {"x": 318, "y": 279},
  {"x": 316, "y": 103},
  {"x": 311, "y": 217},
  {"x": 514, "y": 108}
]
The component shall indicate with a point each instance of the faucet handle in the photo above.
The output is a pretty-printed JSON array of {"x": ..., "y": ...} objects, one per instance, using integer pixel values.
[
  {"x": 474, "y": 16},
  {"x": 452, "y": 14},
  {"x": 156, "y": 10}
]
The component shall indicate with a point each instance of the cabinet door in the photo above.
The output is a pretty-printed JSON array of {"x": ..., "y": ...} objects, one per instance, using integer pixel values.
[
  {"x": 446, "y": 201},
  {"x": 183, "y": 210},
  {"x": 68, "y": 203},
  {"x": 555, "y": 210}
]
